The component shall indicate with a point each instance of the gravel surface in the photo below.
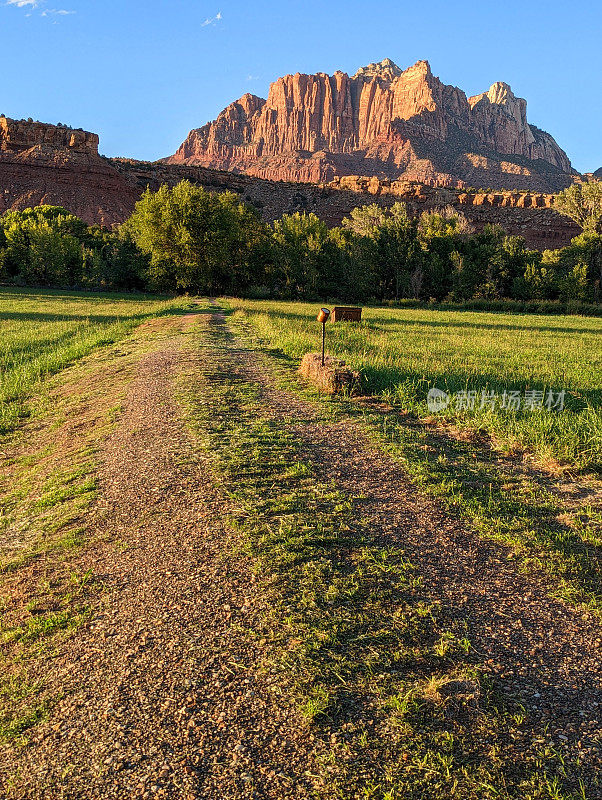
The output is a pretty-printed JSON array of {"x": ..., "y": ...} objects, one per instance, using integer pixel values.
[
  {"x": 162, "y": 697},
  {"x": 545, "y": 652}
]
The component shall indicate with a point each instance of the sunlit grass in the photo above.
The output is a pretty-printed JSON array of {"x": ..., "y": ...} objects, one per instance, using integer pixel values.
[
  {"x": 402, "y": 353},
  {"x": 41, "y": 332}
]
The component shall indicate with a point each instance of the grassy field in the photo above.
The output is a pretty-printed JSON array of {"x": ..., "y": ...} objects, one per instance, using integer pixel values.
[
  {"x": 402, "y": 353},
  {"x": 344, "y": 624},
  {"x": 41, "y": 332}
]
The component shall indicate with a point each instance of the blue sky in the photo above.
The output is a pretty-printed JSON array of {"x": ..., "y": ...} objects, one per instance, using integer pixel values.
[{"x": 142, "y": 74}]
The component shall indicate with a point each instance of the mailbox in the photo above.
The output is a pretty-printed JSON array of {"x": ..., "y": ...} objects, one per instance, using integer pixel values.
[
  {"x": 346, "y": 313},
  {"x": 323, "y": 316}
]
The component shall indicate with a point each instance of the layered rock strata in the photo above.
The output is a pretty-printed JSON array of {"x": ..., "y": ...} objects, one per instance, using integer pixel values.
[
  {"x": 56, "y": 165},
  {"x": 381, "y": 122}
]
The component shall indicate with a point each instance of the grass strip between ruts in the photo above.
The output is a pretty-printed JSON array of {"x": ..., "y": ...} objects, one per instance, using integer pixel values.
[{"x": 402, "y": 705}]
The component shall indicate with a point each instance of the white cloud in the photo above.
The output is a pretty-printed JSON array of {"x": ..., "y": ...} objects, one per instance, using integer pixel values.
[
  {"x": 209, "y": 21},
  {"x": 31, "y": 5}
]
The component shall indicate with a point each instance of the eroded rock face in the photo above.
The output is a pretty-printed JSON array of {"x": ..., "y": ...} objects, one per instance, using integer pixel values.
[
  {"x": 523, "y": 214},
  {"x": 59, "y": 166},
  {"x": 47, "y": 164},
  {"x": 384, "y": 122},
  {"x": 19, "y": 135}
]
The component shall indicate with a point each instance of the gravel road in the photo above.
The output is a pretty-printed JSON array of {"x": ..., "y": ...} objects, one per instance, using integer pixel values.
[{"x": 162, "y": 695}]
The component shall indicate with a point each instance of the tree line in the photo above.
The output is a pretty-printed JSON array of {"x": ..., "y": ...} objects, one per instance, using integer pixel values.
[{"x": 187, "y": 239}]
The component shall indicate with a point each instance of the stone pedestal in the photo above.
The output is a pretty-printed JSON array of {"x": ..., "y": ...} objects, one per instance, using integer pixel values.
[{"x": 333, "y": 378}]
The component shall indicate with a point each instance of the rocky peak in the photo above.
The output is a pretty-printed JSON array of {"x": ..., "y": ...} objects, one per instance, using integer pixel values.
[
  {"x": 510, "y": 115},
  {"x": 314, "y": 127},
  {"x": 251, "y": 103},
  {"x": 419, "y": 68},
  {"x": 501, "y": 95},
  {"x": 386, "y": 70}
]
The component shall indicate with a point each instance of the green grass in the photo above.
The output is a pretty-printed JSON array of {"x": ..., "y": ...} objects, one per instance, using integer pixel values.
[
  {"x": 17, "y": 693},
  {"x": 25, "y": 701},
  {"x": 512, "y": 507},
  {"x": 503, "y": 498},
  {"x": 42, "y": 332},
  {"x": 345, "y": 627},
  {"x": 402, "y": 353}
]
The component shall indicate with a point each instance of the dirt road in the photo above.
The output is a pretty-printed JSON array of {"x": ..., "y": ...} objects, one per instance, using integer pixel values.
[{"x": 162, "y": 692}]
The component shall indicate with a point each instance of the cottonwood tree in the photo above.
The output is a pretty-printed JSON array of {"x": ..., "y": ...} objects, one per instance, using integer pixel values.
[
  {"x": 302, "y": 249},
  {"x": 42, "y": 246},
  {"x": 389, "y": 247},
  {"x": 582, "y": 202},
  {"x": 197, "y": 241}
]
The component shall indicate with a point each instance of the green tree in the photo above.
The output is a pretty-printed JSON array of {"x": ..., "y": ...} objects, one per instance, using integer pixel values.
[
  {"x": 585, "y": 249},
  {"x": 514, "y": 258},
  {"x": 43, "y": 246},
  {"x": 350, "y": 273},
  {"x": 303, "y": 247},
  {"x": 574, "y": 285},
  {"x": 390, "y": 245},
  {"x": 582, "y": 202},
  {"x": 112, "y": 261},
  {"x": 540, "y": 282},
  {"x": 196, "y": 240},
  {"x": 442, "y": 235}
]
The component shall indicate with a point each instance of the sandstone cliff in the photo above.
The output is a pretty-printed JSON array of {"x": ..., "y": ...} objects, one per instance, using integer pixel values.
[
  {"x": 61, "y": 166},
  {"x": 19, "y": 135},
  {"x": 56, "y": 165},
  {"x": 383, "y": 122}
]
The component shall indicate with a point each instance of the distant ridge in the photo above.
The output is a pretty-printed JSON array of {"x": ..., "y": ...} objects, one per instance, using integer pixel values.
[{"x": 43, "y": 164}]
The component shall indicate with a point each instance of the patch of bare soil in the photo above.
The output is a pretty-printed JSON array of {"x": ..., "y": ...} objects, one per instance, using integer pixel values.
[{"x": 161, "y": 694}]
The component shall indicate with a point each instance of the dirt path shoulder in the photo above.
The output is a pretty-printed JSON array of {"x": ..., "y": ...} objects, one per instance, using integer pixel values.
[
  {"x": 160, "y": 691},
  {"x": 161, "y": 698}
]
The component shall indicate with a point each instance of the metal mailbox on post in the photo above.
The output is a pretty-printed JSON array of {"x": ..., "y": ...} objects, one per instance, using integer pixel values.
[{"x": 323, "y": 317}]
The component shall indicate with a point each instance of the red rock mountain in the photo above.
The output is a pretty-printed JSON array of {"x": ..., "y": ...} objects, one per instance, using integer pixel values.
[
  {"x": 381, "y": 122},
  {"x": 56, "y": 165}
]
